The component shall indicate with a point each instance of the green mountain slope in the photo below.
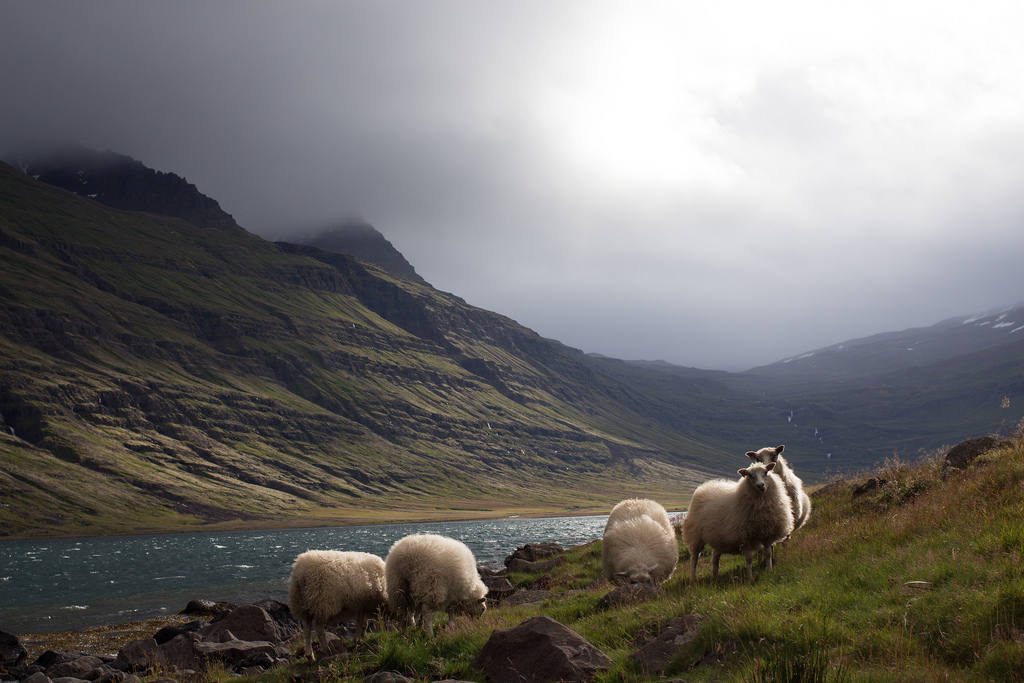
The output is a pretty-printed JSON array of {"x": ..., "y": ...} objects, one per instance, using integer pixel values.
[{"x": 155, "y": 374}]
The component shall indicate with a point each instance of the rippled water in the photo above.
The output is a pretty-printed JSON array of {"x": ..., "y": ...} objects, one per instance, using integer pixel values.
[{"x": 67, "y": 584}]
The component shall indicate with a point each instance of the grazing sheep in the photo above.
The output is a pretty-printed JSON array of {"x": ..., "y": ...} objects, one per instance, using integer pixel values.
[
  {"x": 427, "y": 573},
  {"x": 800, "y": 501},
  {"x": 639, "y": 543},
  {"x": 738, "y": 517},
  {"x": 329, "y": 585}
]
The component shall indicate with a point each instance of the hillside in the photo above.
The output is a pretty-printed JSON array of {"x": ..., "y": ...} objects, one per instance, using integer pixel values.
[
  {"x": 364, "y": 242},
  {"x": 156, "y": 374}
]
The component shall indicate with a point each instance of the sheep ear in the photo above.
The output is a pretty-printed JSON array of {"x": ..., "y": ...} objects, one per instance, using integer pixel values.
[
  {"x": 770, "y": 466},
  {"x": 752, "y": 455},
  {"x": 781, "y": 447},
  {"x": 743, "y": 473}
]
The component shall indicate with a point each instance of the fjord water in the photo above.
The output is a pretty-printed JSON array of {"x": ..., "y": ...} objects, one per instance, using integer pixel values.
[{"x": 69, "y": 584}]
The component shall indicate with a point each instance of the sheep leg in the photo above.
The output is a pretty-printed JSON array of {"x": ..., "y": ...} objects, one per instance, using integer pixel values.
[
  {"x": 427, "y": 620},
  {"x": 749, "y": 554},
  {"x": 769, "y": 554},
  {"x": 715, "y": 557},
  {"x": 321, "y": 635},
  {"x": 307, "y": 638},
  {"x": 693, "y": 565},
  {"x": 360, "y": 625}
]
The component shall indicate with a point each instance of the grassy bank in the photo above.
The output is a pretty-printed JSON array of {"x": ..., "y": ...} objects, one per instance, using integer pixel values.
[{"x": 919, "y": 578}]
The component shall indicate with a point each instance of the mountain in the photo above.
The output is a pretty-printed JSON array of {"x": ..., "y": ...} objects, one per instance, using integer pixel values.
[
  {"x": 364, "y": 242},
  {"x": 158, "y": 374},
  {"x": 124, "y": 183},
  {"x": 892, "y": 351}
]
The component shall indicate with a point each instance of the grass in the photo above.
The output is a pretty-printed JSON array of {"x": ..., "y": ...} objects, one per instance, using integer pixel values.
[{"x": 918, "y": 580}]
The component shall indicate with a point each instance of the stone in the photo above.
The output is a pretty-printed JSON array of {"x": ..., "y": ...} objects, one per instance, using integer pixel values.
[
  {"x": 69, "y": 679},
  {"x": 531, "y": 552},
  {"x": 49, "y": 658},
  {"x": 527, "y": 597},
  {"x": 37, "y": 677},
  {"x": 140, "y": 655},
  {"x": 247, "y": 622},
  {"x": 964, "y": 453},
  {"x": 867, "y": 486},
  {"x": 207, "y": 608},
  {"x": 498, "y": 587},
  {"x": 539, "y": 649},
  {"x": 80, "y": 667},
  {"x": 174, "y": 630},
  {"x": 238, "y": 653},
  {"x": 656, "y": 655},
  {"x": 108, "y": 674},
  {"x": 518, "y": 564},
  {"x": 12, "y": 652},
  {"x": 387, "y": 677},
  {"x": 180, "y": 652},
  {"x": 629, "y": 593},
  {"x": 287, "y": 625}
]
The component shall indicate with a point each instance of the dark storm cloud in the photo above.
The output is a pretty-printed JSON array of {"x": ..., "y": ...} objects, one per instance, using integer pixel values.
[{"x": 716, "y": 186}]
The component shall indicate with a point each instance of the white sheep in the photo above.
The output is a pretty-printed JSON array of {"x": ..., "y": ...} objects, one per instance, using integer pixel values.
[
  {"x": 329, "y": 585},
  {"x": 799, "y": 499},
  {"x": 738, "y": 517},
  {"x": 427, "y": 573},
  {"x": 639, "y": 543}
]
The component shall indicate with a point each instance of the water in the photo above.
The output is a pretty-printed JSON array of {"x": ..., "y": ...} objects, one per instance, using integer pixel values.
[{"x": 70, "y": 584}]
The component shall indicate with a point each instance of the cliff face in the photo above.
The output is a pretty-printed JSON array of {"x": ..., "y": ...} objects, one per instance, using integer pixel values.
[
  {"x": 364, "y": 242},
  {"x": 155, "y": 373}
]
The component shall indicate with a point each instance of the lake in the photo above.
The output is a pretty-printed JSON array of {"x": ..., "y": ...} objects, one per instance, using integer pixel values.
[{"x": 69, "y": 584}]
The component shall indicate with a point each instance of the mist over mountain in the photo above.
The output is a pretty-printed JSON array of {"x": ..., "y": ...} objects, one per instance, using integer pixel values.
[{"x": 363, "y": 241}]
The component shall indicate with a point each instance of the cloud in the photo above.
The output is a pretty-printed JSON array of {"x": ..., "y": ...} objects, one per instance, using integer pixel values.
[{"x": 716, "y": 185}]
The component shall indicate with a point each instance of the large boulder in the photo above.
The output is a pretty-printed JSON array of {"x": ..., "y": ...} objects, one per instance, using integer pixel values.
[
  {"x": 540, "y": 649},
  {"x": 207, "y": 608},
  {"x": 532, "y": 552},
  {"x": 247, "y": 622},
  {"x": 12, "y": 652},
  {"x": 964, "y": 453},
  {"x": 140, "y": 655},
  {"x": 656, "y": 655},
  {"x": 498, "y": 587},
  {"x": 79, "y": 667}
]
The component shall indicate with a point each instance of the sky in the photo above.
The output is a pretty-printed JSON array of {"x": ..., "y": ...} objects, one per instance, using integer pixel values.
[{"x": 716, "y": 184}]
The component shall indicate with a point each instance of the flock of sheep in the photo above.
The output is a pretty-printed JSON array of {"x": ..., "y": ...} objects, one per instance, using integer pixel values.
[{"x": 427, "y": 573}]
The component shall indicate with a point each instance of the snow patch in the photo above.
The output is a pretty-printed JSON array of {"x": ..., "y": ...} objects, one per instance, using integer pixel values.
[
  {"x": 1003, "y": 324},
  {"x": 1017, "y": 330}
]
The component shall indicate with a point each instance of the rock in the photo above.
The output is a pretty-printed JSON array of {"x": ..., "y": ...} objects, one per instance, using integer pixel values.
[
  {"x": 49, "y": 658},
  {"x": 531, "y": 552},
  {"x": 498, "y": 587},
  {"x": 539, "y": 649},
  {"x": 656, "y": 655},
  {"x": 12, "y": 652},
  {"x": 139, "y": 655},
  {"x": 387, "y": 677},
  {"x": 527, "y": 597},
  {"x": 79, "y": 667},
  {"x": 168, "y": 633},
  {"x": 37, "y": 677},
  {"x": 628, "y": 594},
  {"x": 964, "y": 453},
  {"x": 247, "y": 622},
  {"x": 69, "y": 679},
  {"x": 483, "y": 570},
  {"x": 108, "y": 674},
  {"x": 238, "y": 653},
  {"x": 180, "y": 652},
  {"x": 287, "y": 626},
  {"x": 518, "y": 564},
  {"x": 207, "y": 608}
]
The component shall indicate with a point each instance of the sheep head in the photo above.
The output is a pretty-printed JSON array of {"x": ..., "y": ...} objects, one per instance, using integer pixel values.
[
  {"x": 767, "y": 454},
  {"x": 757, "y": 475}
]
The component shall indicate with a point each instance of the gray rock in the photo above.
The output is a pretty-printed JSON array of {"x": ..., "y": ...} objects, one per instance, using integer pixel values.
[
  {"x": 12, "y": 652},
  {"x": 180, "y": 652},
  {"x": 238, "y": 653},
  {"x": 207, "y": 608},
  {"x": 387, "y": 677},
  {"x": 518, "y": 564},
  {"x": 80, "y": 667},
  {"x": 628, "y": 594},
  {"x": 287, "y": 626},
  {"x": 498, "y": 587},
  {"x": 964, "y": 453},
  {"x": 69, "y": 679},
  {"x": 174, "y": 630},
  {"x": 37, "y": 677},
  {"x": 656, "y": 655},
  {"x": 140, "y": 655},
  {"x": 248, "y": 622},
  {"x": 540, "y": 649},
  {"x": 531, "y": 552}
]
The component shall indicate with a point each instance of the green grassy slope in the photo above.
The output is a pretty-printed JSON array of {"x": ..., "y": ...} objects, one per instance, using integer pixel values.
[
  {"x": 917, "y": 580},
  {"x": 155, "y": 374}
]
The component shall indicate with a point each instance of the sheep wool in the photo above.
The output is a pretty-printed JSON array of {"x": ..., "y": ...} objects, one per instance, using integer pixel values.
[
  {"x": 427, "y": 573},
  {"x": 799, "y": 499},
  {"x": 738, "y": 517},
  {"x": 639, "y": 543},
  {"x": 330, "y": 585}
]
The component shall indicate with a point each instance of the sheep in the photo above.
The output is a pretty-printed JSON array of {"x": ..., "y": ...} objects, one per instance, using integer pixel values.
[
  {"x": 639, "y": 543},
  {"x": 329, "y": 585},
  {"x": 738, "y": 517},
  {"x": 426, "y": 573},
  {"x": 799, "y": 499}
]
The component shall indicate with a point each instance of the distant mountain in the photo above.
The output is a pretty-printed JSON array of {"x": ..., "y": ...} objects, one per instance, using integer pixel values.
[
  {"x": 911, "y": 348},
  {"x": 364, "y": 242},
  {"x": 124, "y": 183}
]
